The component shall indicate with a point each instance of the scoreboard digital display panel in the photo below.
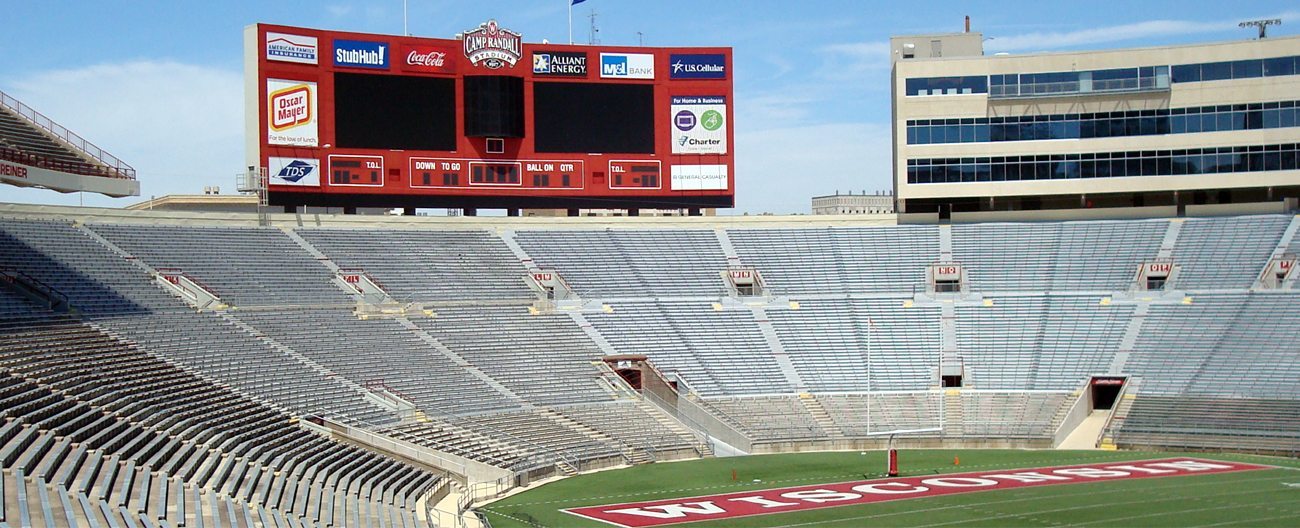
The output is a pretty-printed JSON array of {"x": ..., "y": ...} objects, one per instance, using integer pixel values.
[{"x": 486, "y": 121}]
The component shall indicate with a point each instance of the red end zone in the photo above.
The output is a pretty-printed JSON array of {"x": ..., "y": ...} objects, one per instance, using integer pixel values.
[{"x": 780, "y": 500}]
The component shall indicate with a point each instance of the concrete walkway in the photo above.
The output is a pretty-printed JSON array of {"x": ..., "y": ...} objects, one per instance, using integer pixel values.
[{"x": 1085, "y": 436}]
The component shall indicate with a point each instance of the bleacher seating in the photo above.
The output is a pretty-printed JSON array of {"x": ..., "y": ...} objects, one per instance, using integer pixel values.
[
  {"x": 1196, "y": 422},
  {"x": 245, "y": 266},
  {"x": 839, "y": 259},
  {"x": 1225, "y": 253},
  {"x": 631, "y": 263},
  {"x": 496, "y": 382},
  {"x": 717, "y": 352},
  {"x": 23, "y": 141},
  {"x": 96, "y": 418},
  {"x": 94, "y": 279},
  {"x": 420, "y": 265}
]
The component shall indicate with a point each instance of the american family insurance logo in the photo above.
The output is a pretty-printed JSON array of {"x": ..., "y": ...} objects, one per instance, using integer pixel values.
[
  {"x": 284, "y": 47},
  {"x": 747, "y": 503}
]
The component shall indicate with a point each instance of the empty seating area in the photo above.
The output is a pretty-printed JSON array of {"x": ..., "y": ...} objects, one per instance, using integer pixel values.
[
  {"x": 1104, "y": 256},
  {"x": 23, "y": 142},
  {"x": 768, "y": 418},
  {"x": 245, "y": 266},
  {"x": 634, "y": 424},
  {"x": 1225, "y": 253},
  {"x": 546, "y": 359},
  {"x": 110, "y": 435},
  {"x": 718, "y": 352},
  {"x": 828, "y": 342},
  {"x": 1198, "y": 422},
  {"x": 380, "y": 352},
  {"x": 631, "y": 263},
  {"x": 425, "y": 265},
  {"x": 1008, "y": 257},
  {"x": 222, "y": 351},
  {"x": 1022, "y": 414},
  {"x": 859, "y": 415},
  {"x": 1177, "y": 340},
  {"x": 839, "y": 259},
  {"x": 1000, "y": 345},
  {"x": 92, "y": 278}
]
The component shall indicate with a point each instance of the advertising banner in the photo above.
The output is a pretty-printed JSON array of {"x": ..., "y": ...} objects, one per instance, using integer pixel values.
[
  {"x": 302, "y": 172},
  {"x": 699, "y": 178},
  {"x": 361, "y": 54},
  {"x": 627, "y": 66},
  {"x": 291, "y": 113},
  {"x": 284, "y": 47},
  {"x": 427, "y": 59},
  {"x": 560, "y": 63},
  {"x": 699, "y": 124},
  {"x": 697, "y": 66}
]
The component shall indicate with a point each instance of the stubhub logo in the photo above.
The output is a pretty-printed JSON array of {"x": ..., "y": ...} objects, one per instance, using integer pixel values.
[
  {"x": 627, "y": 65},
  {"x": 361, "y": 54}
]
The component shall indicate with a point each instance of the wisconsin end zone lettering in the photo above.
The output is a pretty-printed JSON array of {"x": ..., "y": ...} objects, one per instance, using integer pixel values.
[{"x": 762, "y": 502}]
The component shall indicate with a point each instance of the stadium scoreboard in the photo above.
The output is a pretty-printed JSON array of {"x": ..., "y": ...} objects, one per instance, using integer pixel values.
[{"x": 486, "y": 121}]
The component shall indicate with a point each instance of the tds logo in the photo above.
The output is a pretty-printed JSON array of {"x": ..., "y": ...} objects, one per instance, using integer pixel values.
[{"x": 295, "y": 170}]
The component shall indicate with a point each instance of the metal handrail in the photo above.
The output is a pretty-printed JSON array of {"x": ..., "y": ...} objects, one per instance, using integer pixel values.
[{"x": 36, "y": 118}]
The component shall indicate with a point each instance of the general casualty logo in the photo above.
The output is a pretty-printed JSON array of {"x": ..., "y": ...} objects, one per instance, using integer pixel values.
[
  {"x": 700, "y": 124},
  {"x": 284, "y": 47},
  {"x": 493, "y": 46},
  {"x": 295, "y": 171},
  {"x": 698, "y": 66},
  {"x": 291, "y": 112},
  {"x": 560, "y": 63},
  {"x": 361, "y": 54},
  {"x": 627, "y": 65}
]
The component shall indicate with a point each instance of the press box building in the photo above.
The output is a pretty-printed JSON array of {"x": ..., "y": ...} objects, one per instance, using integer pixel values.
[{"x": 1163, "y": 128}]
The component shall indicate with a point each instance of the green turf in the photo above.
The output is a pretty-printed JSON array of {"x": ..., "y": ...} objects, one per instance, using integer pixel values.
[{"x": 1251, "y": 498}]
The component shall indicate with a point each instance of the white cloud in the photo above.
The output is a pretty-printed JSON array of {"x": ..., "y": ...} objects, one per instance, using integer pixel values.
[
  {"x": 779, "y": 170},
  {"x": 1039, "y": 40},
  {"x": 855, "y": 60},
  {"x": 181, "y": 126}
]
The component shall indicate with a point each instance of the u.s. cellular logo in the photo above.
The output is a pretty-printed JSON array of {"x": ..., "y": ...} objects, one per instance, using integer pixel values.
[{"x": 284, "y": 47}]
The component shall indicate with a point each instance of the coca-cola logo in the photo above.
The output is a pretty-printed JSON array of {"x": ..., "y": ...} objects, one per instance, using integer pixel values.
[
  {"x": 435, "y": 59},
  {"x": 429, "y": 59}
]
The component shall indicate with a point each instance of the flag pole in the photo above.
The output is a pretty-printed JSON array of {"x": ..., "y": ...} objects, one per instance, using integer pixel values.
[{"x": 570, "y": 2}]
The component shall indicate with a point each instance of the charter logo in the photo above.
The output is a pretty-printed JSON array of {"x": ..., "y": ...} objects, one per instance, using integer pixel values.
[
  {"x": 294, "y": 171},
  {"x": 698, "y": 66},
  {"x": 361, "y": 54},
  {"x": 493, "y": 46},
  {"x": 627, "y": 66},
  {"x": 284, "y": 47}
]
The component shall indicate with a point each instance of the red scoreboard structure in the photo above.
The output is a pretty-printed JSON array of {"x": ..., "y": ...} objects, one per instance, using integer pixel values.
[{"x": 486, "y": 121}]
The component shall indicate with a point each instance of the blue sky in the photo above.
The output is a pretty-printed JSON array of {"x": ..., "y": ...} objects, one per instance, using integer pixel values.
[{"x": 159, "y": 84}]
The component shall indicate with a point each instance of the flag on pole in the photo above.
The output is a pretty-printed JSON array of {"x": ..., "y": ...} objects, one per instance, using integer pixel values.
[{"x": 576, "y": 2}]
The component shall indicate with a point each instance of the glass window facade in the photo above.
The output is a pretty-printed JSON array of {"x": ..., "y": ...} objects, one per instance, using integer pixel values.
[
  {"x": 978, "y": 84},
  {"x": 1280, "y": 114},
  {"x": 1222, "y": 160},
  {"x": 1142, "y": 78}
]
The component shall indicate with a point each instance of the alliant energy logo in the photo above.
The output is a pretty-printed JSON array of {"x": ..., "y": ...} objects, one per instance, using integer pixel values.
[
  {"x": 290, "y": 107},
  {"x": 284, "y": 47},
  {"x": 493, "y": 46},
  {"x": 13, "y": 171},
  {"x": 747, "y": 503},
  {"x": 560, "y": 63}
]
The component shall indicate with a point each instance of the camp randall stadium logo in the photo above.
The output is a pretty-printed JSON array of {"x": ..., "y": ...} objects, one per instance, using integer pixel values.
[{"x": 493, "y": 46}]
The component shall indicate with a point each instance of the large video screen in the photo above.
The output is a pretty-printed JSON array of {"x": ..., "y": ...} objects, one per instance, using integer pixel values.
[
  {"x": 394, "y": 112},
  {"x": 589, "y": 117},
  {"x": 494, "y": 106}
]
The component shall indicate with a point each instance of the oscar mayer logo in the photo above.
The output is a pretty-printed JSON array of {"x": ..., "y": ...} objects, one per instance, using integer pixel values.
[
  {"x": 493, "y": 46},
  {"x": 290, "y": 107}
]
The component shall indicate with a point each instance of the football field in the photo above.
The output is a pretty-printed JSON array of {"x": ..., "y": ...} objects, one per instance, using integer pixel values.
[{"x": 934, "y": 488}]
